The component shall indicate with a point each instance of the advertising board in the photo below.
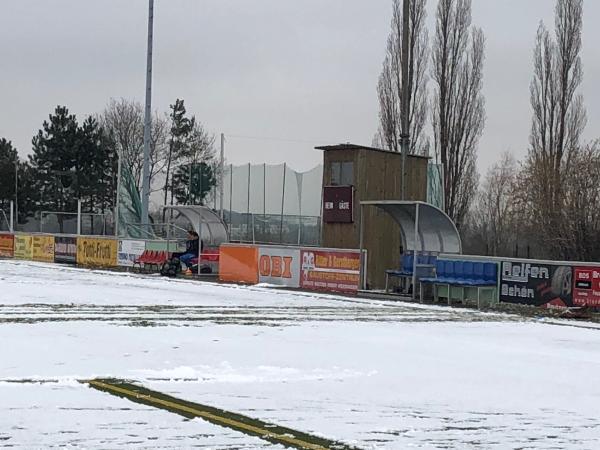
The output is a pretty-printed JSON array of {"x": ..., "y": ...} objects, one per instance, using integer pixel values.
[
  {"x": 129, "y": 251},
  {"x": 279, "y": 266},
  {"x": 238, "y": 263},
  {"x": 337, "y": 204},
  {"x": 7, "y": 245},
  {"x": 23, "y": 246},
  {"x": 43, "y": 248},
  {"x": 586, "y": 286},
  {"x": 97, "y": 252},
  {"x": 327, "y": 270},
  {"x": 65, "y": 249},
  {"x": 530, "y": 283}
]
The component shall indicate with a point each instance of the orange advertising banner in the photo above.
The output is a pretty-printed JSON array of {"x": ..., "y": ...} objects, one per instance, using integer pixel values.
[
  {"x": 238, "y": 264},
  {"x": 7, "y": 245}
]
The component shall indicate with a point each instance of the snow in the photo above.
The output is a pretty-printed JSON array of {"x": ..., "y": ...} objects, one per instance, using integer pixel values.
[{"x": 371, "y": 373}]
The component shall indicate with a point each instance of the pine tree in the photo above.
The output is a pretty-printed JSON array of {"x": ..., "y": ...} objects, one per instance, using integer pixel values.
[
  {"x": 71, "y": 163},
  {"x": 181, "y": 126},
  {"x": 53, "y": 160},
  {"x": 8, "y": 162},
  {"x": 193, "y": 191}
]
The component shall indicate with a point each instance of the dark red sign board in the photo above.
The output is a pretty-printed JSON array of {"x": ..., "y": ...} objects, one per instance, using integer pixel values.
[
  {"x": 586, "y": 286},
  {"x": 337, "y": 204},
  {"x": 330, "y": 271}
]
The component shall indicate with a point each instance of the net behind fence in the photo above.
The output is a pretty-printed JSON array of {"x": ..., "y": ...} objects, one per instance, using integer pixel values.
[
  {"x": 274, "y": 229},
  {"x": 4, "y": 220},
  {"x": 272, "y": 204}
]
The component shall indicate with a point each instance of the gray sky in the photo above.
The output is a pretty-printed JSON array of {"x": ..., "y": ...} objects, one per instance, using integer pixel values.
[{"x": 298, "y": 70}]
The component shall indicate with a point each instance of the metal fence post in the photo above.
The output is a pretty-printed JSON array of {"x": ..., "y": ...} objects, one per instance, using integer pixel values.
[
  {"x": 12, "y": 224},
  {"x": 414, "y": 277},
  {"x": 78, "y": 217},
  {"x": 222, "y": 170},
  {"x": 248, "y": 205},
  {"x": 230, "y": 197},
  {"x": 282, "y": 204}
]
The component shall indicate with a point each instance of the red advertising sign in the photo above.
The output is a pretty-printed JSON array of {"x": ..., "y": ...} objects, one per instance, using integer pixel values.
[
  {"x": 334, "y": 271},
  {"x": 337, "y": 204},
  {"x": 586, "y": 286},
  {"x": 7, "y": 245}
]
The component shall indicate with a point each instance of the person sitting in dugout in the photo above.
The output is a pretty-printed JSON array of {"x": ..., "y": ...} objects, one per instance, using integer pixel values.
[{"x": 192, "y": 249}]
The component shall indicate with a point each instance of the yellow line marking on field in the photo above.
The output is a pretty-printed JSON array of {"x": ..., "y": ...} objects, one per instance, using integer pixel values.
[{"x": 213, "y": 417}]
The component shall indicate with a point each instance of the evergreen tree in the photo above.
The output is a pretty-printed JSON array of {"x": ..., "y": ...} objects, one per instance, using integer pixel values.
[
  {"x": 193, "y": 191},
  {"x": 70, "y": 162},
  {"x": 198, "y": 159},
  {"x": 53, "y": 160},
  {"x": 181, "y": 127},
  {"x": 8, "y": 162}
]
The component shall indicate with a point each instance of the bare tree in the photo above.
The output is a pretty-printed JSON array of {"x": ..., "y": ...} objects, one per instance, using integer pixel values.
[
  {"x": 123, "y": 122},
  {"x": 458, "y": 104},
  {"x": 389, "y": 87},
  {"x": 582, "y": 205},
  {"x": 493, "y": 214},
  {"x": 559, "y": 119}
]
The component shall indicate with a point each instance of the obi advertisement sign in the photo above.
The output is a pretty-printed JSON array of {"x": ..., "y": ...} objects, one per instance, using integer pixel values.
[
  {"x": 330, "y": 270},
  {"x": 129, "y": 251},
  {"x": 529, "y": 283},
  {"x": 7, "y": 245},
  {"x": 337, "y": 204},
  {"x": 24, "y": 247},
  {"x": 43, "y": 248},
  {"x": 97, "y": 252},
  {"x": 65, "y": 250},
  {"x": 586, "y": 286},
  {"x": 279, "y": 266}
]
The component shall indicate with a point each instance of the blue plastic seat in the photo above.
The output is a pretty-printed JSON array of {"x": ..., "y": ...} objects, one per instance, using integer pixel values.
[
  {"x": 405, "y": 261},
  {"x": 440, "y": 268},
  {"x": 457, "y": 275},
  {"x": 490, "y": 273},
  {"x": 447, "y": 274},
  {"x": 477, "y": 273},
  {"x": 408, "y": 267},
  {"x": 467, "y": 276}
]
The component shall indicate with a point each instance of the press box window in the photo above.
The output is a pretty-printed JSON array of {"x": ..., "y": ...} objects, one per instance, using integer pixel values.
[{"x": 342, "y": 173}]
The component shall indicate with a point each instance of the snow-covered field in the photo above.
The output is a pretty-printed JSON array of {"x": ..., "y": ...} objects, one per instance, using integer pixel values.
[{"x": 373, "y": 374}]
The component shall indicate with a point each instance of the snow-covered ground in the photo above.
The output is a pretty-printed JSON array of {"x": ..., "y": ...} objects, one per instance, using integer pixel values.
[{"x": 374, "y": 374}]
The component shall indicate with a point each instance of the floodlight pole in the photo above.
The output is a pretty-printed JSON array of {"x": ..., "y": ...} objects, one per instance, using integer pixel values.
[
  {"x": 405, "y": 136},
  {"x": 16, "y": 193},
  {"x": 147, "y": 120},
  {"x": 222, "y": 172},
  {"x": 118, "y": 196}
]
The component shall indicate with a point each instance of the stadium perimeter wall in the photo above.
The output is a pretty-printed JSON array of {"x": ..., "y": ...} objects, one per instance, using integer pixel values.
[
  {"x": 327, "y": 270},
  {"x": 540, "y": 283}
]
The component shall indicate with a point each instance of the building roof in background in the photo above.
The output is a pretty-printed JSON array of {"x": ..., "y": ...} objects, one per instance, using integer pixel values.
[{"x": 349, "y": 146}]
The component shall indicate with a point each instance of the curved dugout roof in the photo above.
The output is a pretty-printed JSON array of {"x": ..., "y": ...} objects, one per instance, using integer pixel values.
[
  {"x": 436, "y": 231},
  {"x": 205, "y": 222}
]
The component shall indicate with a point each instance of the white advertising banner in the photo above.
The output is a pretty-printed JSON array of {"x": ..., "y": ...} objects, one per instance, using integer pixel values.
[
  {"x": 279, "y": 266},
  {"x": 129, "y": 251}
]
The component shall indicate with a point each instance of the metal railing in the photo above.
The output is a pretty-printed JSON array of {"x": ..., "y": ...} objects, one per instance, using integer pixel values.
[
  {"x": 274, "y": 229},
  {"x": 165, "y": 231},
  {"x": 91, "y": 224}
]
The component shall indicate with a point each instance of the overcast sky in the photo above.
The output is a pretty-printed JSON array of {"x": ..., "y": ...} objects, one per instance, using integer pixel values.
[{"x": 292, "y": 70}]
